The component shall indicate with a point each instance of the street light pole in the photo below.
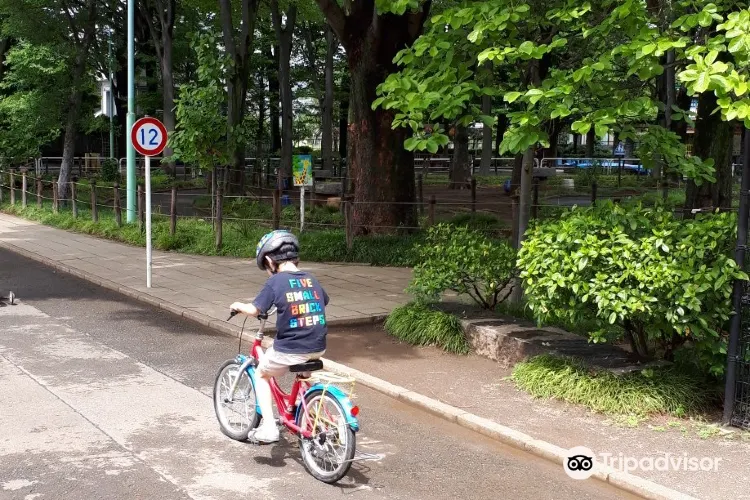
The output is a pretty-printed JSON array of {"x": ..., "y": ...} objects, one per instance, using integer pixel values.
[{"x": 131, "y": 112}]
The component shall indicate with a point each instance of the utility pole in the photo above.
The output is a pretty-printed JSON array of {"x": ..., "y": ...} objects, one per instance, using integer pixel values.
[{"x": 131, "y": 112}]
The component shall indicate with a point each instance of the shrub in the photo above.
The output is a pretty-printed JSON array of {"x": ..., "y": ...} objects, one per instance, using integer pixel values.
[
  {"x": 662, "y": 281},
  {"x": 419, "y": 324},
  {"x": 110, "y": 171},
  {"x": 464, "y": 261},
  {"x": 650, "y": 392}
]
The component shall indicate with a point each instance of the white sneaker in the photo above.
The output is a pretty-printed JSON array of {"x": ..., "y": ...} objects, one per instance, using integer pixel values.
[{"x": 265, "y": 434}]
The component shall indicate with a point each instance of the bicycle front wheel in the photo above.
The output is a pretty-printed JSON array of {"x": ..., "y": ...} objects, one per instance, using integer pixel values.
[
  {"x": 235, "y": 412},
  {"x": 328, "y": 455}
]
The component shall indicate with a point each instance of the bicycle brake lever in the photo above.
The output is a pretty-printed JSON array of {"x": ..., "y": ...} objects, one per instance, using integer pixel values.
[{"x": 232, "y": 314}]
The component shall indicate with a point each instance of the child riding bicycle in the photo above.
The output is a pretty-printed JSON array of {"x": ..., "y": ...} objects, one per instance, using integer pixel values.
[{"x": 300, "y": 324}]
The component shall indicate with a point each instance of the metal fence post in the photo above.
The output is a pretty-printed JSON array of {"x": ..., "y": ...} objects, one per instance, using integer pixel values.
[{"x": 739, "y": 286}]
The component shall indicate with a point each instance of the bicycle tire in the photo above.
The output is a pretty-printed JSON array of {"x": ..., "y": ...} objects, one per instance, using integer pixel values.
[
  {"x": 305, "y": 445},
  {"x": 253, "y": 417}
]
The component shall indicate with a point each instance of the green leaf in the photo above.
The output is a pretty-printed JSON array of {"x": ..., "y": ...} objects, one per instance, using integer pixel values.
[
  {"x": 702, "y": 82},
  {"x": 511, "y": 96}
]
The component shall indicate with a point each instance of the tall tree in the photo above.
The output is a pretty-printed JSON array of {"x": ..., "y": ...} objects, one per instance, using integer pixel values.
[
  {"x": 160, "y": 18},
  {"x": 381, "y": 171},
  {"x": 326, "y": 145},
  {"x": 238, "y": 43},
  {"x": 285, "y": 36}
]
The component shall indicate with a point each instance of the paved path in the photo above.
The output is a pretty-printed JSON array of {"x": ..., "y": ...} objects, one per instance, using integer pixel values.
[
  {"x": 106, "y": 398},
  {"x": 204, "y": 285}
]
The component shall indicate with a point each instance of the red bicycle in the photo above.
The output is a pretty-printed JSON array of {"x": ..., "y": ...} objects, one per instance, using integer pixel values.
[{"x": 316, "y": 410}]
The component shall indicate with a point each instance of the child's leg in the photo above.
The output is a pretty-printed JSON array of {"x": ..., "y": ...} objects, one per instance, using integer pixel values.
[{"x": 265, "y": 401}]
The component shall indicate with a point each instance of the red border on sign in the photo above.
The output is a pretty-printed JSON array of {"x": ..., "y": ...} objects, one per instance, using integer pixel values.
[{"x": 134, "y": 134}]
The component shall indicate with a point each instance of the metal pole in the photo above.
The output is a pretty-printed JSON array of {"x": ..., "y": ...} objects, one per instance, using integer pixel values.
[
  {"x": 147, "y": 174},
  {"x": 302, "y": 209},
  {"x": 739, "y": 257},
  {"x": 111, "y": 103},
  {"x": 131, "y": 180}
]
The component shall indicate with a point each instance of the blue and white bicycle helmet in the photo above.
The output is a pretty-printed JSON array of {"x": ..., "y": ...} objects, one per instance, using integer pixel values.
[{"x": 272, "y": 244}]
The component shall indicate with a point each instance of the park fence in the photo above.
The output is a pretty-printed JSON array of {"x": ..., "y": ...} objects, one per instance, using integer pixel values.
[{"x": 491, "y": 207}]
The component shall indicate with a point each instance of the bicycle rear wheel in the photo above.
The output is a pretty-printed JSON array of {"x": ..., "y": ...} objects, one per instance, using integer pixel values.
[
  {"x": 236, "y": 412},
  {"x": 328, "y": 455}
]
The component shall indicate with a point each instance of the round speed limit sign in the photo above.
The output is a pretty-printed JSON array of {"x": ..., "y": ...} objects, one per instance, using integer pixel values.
[{"x": 149, "y": 136}]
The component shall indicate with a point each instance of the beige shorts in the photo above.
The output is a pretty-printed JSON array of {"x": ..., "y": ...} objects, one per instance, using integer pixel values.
[{"x": 276, "y": 363}]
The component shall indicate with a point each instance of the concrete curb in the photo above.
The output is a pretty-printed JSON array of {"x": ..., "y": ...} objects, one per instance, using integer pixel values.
[{"x": 511, "y": 437}]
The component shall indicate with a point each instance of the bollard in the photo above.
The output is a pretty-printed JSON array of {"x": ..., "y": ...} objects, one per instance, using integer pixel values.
[
  {"x": 24, "y": 187},
  {"x": 74, "y": 199},
  {"x": 118, "y": 205},
  {"x": 94, "y": 208},
  {"x": 39, "y": 192},
  {"x": 431, "y": 212},
  {"x": 173, "y": 213}
]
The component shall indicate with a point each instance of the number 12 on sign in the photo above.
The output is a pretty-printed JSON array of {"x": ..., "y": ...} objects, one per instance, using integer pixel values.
[{"x": 149, "y": 138}]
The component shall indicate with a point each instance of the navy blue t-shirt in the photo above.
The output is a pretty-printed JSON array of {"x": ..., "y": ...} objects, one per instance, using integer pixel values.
[{"x": 301, "y": 311}]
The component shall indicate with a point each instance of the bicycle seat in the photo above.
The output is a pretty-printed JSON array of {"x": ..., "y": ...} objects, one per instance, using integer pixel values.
[{"x": 308, "y": 366}]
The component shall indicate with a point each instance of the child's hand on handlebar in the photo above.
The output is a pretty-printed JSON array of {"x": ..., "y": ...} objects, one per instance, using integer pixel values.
[{"x": 239, "y": 307}]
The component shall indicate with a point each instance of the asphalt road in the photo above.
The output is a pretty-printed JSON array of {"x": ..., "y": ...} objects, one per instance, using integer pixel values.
[{"x": 102, "y": 397}]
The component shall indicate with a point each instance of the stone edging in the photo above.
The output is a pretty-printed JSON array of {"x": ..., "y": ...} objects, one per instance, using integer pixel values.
[{"x": 511, "y": 437}]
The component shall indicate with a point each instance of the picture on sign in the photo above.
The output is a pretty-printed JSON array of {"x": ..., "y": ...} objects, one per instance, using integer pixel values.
[
  {"x": 149, "y": 136},
  {"x": 620, "y": 149},
  {"x": 302, "y": 170}
]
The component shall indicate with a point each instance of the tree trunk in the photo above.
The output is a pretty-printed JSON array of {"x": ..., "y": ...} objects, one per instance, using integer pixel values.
[
  {"x": 576, "y": 140},
  {"x": 75, "y": 97},
  {"x": 460, "y": 165},
  {"x": 261, "y": 120},
  {"x": 274, "y": 98},
  {"x": 284, "y": 35},
  {"x": 713, "y": 139},
  {"x": 5, "y": 44},
  {"x": 167, "y": 77},
  {"x": 553, "y": 129},
  {"x": 344, "y": 119},
  {"x": 590, "y": 142},
  {"x": 326, "y": 145},
  {"x": 241, "y": 52},
  {"x": 381, "y": 169},
  {"x": 486, "y": 163},
  {"x": 502, "y": 126}
]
